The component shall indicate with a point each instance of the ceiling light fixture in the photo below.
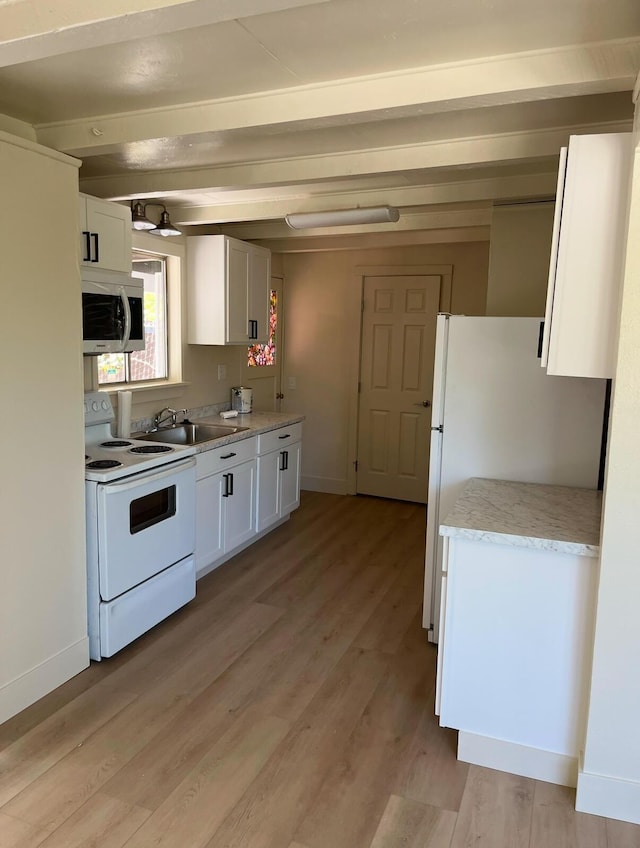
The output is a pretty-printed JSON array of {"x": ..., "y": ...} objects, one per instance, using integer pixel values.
[
  {"x": 343, "y": 217},
  {"x": 139, "y": 220}
]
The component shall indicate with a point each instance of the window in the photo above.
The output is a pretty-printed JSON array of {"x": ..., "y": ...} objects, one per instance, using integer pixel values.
[{"x": 151, "y": 363}]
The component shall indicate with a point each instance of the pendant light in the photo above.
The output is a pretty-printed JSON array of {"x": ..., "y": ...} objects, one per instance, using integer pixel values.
[
  {"x": 165, "y": 227},
  {"x": 139, "y": 220}
]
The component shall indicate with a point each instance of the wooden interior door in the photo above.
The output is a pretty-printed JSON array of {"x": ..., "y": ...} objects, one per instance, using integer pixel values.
[
  {"x": 396, "y": 377},
  {"x": 265, "y": 376}
]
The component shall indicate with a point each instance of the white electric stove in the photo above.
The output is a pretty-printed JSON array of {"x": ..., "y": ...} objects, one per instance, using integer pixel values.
[
  {"x": 140, "y": 518},
  {"x": 110, "y": 458}
]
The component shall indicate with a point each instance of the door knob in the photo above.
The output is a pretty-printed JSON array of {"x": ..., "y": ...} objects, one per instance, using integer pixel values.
[
  {"x": 423, "y": 403},
  {"x": 279, "y": 396}
]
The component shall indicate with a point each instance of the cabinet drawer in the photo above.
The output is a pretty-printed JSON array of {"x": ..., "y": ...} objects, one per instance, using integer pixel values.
[
  {"x": 219, "y": 459},
  {"x": 279, "y": 438}
]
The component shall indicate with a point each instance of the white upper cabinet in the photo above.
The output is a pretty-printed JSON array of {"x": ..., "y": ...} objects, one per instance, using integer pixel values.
[
  {"x": 228, "y": 285},
  {"x": 587, "y": 255},
  {"x": 105, "y": 234}
]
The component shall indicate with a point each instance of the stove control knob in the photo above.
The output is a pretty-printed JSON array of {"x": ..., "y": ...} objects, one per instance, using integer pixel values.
[
  {"x": 95, "y": 406},
  {"x": 86, "y": 407},
  {"x": 105, "y": 405}
]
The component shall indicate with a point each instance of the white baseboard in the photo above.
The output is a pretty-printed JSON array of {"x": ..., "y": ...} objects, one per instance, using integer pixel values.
[
  {"x": 44, "y": 678},
  {"x": 612, "y": 797},
  {"x": 517, "y": 759},
  {"x": 329, "y": 485}
]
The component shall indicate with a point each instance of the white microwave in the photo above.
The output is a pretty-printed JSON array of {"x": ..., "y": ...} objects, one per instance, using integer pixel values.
[{"x": 112, "y": 312}]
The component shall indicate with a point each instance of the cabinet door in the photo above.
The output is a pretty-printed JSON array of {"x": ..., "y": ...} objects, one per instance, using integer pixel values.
[
  {"x": 239, "y": 505},
  {"x": 237, "y": 292},
  {"x": 209, "y": 538},
  {"x": 587, "y": 257},
  {"x": 268, "y": 505},
  {"x": 258, "y": 310},
  {"x": 290, "y": 479},
  {"x": 109, "y": 228}
]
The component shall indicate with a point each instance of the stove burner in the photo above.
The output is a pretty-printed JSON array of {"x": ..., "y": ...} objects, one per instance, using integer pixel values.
[
  {"x": 104, "y": 463},
  {"x": 115, "y": 443},
  {"x": 151, "y": 449}
]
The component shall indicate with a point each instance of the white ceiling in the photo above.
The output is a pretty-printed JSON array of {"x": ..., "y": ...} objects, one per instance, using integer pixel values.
[{"x": 236, "y": 112}]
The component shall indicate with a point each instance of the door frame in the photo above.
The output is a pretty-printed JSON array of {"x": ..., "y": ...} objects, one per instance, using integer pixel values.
[{"x": 356, "y": 307}]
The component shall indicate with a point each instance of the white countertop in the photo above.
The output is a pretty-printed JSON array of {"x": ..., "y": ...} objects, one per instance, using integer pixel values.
[
  {"x": 256, "y": 422},
  {"x": 554, "y": 518}
]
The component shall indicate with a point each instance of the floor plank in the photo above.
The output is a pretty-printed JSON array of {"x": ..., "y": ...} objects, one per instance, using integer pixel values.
[
  {"x": 495, "y": 812},
  {"x": 354, "y": 794},
  {"x": 58, "y": 734},
  {"x": 18, "y": 834},
  {"x": 201, "y": 801},
  {"x": 408, "y": 824},
  {"x": 555, "y": 820},
  {"x": 154, "y": 772},
  {"x": 622, "y": 834},
  {"x": 102, "y": 821},
  {"x": 432, "y": 774},
  {"x": 271, "y": 809}
]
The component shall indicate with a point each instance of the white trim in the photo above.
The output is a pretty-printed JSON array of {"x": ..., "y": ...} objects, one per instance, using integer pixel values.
[
  {"x": 612, "y": 797},
  {"x": 329, "y": 485},
  {"x": 43, "y": 678},
  {"x": 517, "y": 759}
]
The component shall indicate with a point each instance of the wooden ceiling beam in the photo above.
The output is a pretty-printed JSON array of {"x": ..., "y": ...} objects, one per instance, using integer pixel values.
[
  {"x": 498, "y": 80},
  {"x": 452, "y": 153}
]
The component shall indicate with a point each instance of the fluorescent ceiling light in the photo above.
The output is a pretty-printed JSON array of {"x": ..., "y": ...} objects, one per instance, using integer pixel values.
[{"x": 342, "y": 217}]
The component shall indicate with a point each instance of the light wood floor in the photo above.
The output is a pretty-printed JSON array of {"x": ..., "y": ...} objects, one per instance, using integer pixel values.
[{"x": 289, "y": 706}]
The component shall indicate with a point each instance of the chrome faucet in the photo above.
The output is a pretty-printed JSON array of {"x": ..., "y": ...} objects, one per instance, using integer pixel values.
[{"x": 161, "y": 419}]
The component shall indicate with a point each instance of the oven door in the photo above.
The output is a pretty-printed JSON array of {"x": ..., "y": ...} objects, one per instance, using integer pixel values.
[{"x": 146, "y": 523}]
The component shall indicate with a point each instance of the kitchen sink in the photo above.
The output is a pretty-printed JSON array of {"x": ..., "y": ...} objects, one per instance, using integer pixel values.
[{"x": 190, "y": 434}]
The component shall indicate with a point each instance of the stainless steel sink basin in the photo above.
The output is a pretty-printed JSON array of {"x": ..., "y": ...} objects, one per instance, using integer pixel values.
[{"x": 190, "y": 434}]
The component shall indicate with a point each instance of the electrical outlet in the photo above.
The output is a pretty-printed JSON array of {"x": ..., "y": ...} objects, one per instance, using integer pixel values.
[
  {"x": 292, "y": 383},
  {"x": 222, "y": 372}
]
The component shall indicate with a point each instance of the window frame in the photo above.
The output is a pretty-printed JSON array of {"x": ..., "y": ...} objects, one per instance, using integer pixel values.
[{"x": 173, "y": 250}]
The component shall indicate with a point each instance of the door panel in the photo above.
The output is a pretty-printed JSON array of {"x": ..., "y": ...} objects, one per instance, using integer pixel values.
[{"x": 396, "y": 374}]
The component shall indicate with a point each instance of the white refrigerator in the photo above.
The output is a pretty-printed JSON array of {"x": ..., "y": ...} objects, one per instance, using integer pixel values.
[{"x": 497, "y": 414}]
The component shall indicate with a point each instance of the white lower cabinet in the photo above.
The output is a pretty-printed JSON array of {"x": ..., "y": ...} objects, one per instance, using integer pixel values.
[
  {"x": 239, "y": 496},
  {"x": 514, "y": 656},
  {"x": 225, "y": 500},
  {"x": 279, "y": 454}
]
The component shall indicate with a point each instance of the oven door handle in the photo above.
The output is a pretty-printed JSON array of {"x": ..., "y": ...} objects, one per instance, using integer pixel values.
[
  {"x": 158, "y": 473},
  {"x": 127, "y": 318}
]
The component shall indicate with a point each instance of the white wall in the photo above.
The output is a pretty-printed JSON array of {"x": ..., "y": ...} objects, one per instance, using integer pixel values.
[
  {"x": 322, "y": 328},
  {"x": 609, "y": 781},
  {"x": 43, "y": 621},
  {"x": 519, "y": 259}
]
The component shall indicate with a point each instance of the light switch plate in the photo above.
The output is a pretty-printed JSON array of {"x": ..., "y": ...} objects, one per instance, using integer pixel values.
[
  {"x": 222, "y": 372},
  {"x": 292, "y": 383}
]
